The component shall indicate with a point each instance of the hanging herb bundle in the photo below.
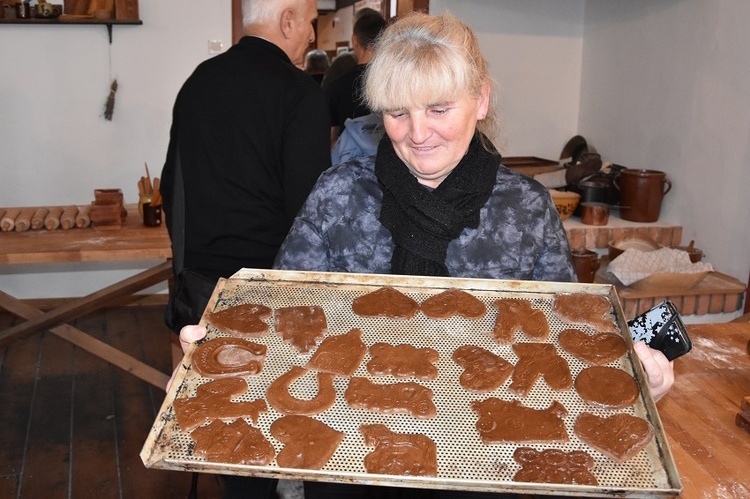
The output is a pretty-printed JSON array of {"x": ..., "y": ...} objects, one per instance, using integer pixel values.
[{"x": 109, "y": 106}]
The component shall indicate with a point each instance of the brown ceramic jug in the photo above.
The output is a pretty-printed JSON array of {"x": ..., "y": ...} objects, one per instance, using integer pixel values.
[
  {"x": 641, "y": 194},
  {"x": 586, "y": 263}
]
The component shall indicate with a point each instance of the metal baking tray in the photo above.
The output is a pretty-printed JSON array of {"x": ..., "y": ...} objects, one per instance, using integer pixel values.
[{"x": 464, "y": 463}]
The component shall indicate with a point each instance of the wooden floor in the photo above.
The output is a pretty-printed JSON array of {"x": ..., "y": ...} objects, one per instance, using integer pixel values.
[{"x": 73, "y": 425}]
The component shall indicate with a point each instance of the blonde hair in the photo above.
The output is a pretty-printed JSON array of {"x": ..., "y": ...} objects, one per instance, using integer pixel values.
[{"x": 421, "y": 60}]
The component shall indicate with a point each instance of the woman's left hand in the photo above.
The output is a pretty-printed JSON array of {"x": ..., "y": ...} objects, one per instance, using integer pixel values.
[{"x": 659, "y": 370}]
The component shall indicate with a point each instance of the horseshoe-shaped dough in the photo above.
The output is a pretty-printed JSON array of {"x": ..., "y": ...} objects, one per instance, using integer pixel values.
[{"x": 280, "y": 399}]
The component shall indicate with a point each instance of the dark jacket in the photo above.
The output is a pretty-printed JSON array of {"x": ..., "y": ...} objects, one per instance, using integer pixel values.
[{"x": 253, "y": 134}]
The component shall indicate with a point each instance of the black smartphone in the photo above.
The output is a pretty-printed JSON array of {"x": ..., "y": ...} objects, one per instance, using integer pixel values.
[{"x": 662, "y": 329}]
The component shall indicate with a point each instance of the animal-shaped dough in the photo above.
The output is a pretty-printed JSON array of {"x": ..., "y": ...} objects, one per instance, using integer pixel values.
[
  {"x": 501, "y": 421},
  {"x": 397, "y": 453},
  {"x": 535, "y": 360},
  {"x": 308, "y": 443},
  {"x": 246, "y": 320},
  {"x": 213, "y": 401},
  {"x": 403, "y": 361},
  {"x": 515, "y": 315},
  {"x": 235, "y": 443},
  {"x": 483, "y": 370},
  {"x": 554, "y": 466},
  {"x": 396, "y": 398}
]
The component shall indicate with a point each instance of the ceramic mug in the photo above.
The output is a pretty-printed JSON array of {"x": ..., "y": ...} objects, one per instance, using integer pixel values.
[
  {"x": 23, "y": 10},
  {"x": 586, "y": 263}
]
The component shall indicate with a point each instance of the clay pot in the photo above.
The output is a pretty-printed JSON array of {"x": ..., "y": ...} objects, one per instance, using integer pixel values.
[
  {"x": 641, "y": 194},
  {"x": 586, "y": 263}
]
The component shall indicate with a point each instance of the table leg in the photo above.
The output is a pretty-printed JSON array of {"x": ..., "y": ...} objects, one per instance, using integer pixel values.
[{"x": 81, "y": 306}]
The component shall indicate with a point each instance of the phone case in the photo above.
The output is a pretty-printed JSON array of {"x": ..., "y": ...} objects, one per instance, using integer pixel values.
[{"x": 662, "y": 329}]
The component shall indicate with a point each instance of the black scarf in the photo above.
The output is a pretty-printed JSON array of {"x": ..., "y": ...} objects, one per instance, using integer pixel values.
[{"x": 422, "y": 221}]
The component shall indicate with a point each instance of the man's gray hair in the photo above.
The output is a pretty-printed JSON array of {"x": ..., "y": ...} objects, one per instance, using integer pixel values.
[{"x": 261, "y": 12}]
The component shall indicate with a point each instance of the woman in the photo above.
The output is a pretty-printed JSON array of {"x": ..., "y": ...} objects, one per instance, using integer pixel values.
[{"x": 434, "y": 200}]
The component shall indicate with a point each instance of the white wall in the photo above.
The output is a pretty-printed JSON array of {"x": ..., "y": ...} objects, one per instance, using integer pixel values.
[
  {"x": 55, "y": 146},
  {"x": 652, "y": 83},
  {"x": 534, "y": 48},
  {"x": 666, "y": 86}
]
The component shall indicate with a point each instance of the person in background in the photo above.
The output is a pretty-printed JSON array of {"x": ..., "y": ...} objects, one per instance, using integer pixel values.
[
  {"x": 346, "y": 61},
  {"x": 249, "y": 137},
  {"x": 344, "y": 94},
  {"x": 434, "y": 200},
  {"x": 316, "y": 64}
]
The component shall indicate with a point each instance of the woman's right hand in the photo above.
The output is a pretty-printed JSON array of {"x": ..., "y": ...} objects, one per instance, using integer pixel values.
[{"x": 188, "y": 334}]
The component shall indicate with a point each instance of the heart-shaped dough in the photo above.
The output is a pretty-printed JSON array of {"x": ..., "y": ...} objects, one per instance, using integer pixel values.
[{"x": 618, "y": 437}]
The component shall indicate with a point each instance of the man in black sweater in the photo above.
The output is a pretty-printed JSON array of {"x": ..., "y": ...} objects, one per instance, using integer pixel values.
[{"x": 252, "y": 132}]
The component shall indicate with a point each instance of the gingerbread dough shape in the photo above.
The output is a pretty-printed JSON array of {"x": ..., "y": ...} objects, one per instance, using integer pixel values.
[
  {"x": 501, "y": 421},
  {"x": 235, "y": 443},
  {"x": 452, "y": 302},
  {"x": 398, "y": 453},
  {"x": 618, "y": 437},
  {"x": 397, "y": 398},
  {"x": 242, "y": 321},
  {"x": 535, "y": 360},
  {"x": 213, "y": 401},
  {"x": 385, "y": 302},
  {"x": 607, "y": 387},
  {"x": 340, "y": 355},
  {"x": 554, "y": 466},
  {"x": 519, "y": 315},
  {"x": 280, "y": 399},
  {"x": 403, "y": 361},
  {"x": 229, "y": 357},
  {"x": 597, "y": 349},
  {"x": 302, "y": 327},
  {"x": 586, "y": 309},
  {"x": 483, "y": 370},
  {"x": 308, "y": 443}
]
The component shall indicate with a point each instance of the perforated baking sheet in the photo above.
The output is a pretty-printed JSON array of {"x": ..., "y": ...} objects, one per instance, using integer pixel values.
[{"x": 464, "y": 462}]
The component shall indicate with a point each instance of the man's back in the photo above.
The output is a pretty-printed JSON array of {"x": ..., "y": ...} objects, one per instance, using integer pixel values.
[{"x": 253, "y": 135}]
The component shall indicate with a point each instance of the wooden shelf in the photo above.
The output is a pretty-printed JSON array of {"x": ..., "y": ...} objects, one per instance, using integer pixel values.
[{"x": 57, "y": 22}]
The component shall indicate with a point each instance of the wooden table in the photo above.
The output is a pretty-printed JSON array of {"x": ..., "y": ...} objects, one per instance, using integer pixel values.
[
  {"x": 133, "y": 241},
  {"x": 711, "y": 453}
]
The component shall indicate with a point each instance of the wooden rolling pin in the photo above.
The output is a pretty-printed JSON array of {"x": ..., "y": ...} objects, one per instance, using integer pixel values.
[
  {"x": 8, "y": 221},
  {"x": 52, "y": 220},
  {"x": 83, "y": 219},
  {"x": 37, "y": 221},
  {"x": 23, "y": 220},
  {"x": 68, "y": 217}
]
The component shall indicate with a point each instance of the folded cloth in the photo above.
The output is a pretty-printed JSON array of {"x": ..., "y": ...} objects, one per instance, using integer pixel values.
[{"x": 633, "y": 264}]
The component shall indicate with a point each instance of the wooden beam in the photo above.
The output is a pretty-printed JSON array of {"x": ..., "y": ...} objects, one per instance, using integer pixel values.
[
  {"x": 90, "y": 344},
  {"x": 84, "y": 305}
]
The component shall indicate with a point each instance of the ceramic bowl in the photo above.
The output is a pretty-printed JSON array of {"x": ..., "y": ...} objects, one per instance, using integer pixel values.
[
  {"x": 48, "y": 10},
  {"x": 643, "y": 243},
  {"x": 566, "y": 202}
]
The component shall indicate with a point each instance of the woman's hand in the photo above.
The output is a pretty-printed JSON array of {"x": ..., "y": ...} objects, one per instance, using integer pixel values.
[
  {"x": 659, "y": 370},
  {"x": 188, "y": 335}
]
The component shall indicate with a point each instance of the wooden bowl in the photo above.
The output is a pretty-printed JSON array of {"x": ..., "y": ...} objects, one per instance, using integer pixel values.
[
  {"x": 643, "y": 243},
  {"x": 566, "y": 202},
  {"x": 696, "y": 255}
]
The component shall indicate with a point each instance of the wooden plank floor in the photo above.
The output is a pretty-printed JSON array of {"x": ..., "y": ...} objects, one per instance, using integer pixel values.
[{"x": 73, "y": 425}]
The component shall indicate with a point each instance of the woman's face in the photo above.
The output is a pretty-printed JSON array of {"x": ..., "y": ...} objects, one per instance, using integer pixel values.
[{"x": 431, "y": 140}]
